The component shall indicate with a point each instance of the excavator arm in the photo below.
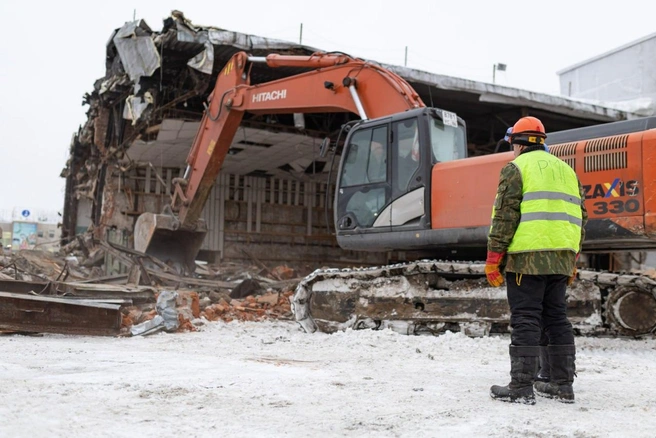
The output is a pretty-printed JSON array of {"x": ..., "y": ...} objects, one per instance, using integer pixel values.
[{"x": 335, "y": 83}]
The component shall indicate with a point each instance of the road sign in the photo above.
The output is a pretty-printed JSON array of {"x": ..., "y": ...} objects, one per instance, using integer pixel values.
[{"x": 25, "y": 213}]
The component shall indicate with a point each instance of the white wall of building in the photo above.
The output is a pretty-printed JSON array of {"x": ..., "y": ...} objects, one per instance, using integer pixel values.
[{"x": 622, "y": 74}]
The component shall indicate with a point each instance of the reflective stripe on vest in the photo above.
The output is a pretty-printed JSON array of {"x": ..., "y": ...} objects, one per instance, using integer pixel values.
[{"x": 551, "y": 216}]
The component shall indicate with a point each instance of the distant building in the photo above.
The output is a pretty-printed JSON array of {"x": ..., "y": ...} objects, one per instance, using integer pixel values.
[
  {"x": 30, "y": 235},
  {"x": 26, "y": 229},
  {"x": 623, "y": 74},
  {"x": 5, "y": 236}
]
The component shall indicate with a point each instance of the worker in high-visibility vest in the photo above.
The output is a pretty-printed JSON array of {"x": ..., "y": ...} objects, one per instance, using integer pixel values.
[
  {"x": 537, "y": 230},
  {"x": 544, "y": 373}
]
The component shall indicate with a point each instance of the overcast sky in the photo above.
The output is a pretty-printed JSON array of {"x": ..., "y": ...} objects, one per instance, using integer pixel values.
[{"x": 52, "y": 52}]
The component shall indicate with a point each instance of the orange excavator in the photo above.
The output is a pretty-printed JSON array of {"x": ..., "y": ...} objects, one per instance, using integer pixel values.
[
  {"x": 405, "y": 184},
  {"x": 335, "y": 83}
]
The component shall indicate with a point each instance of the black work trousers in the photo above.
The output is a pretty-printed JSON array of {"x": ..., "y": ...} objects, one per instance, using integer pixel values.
[{"x": 538, "y": 302}]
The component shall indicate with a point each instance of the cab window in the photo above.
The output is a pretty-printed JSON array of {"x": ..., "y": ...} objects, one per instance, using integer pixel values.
[
  {"x": 447, "y": 142},
  {"x": 366, "y": 160},
  {"x": 406, "y": 137}
]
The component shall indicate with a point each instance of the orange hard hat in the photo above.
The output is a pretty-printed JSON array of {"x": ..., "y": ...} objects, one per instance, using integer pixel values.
[{"x": 528, "y": 130}]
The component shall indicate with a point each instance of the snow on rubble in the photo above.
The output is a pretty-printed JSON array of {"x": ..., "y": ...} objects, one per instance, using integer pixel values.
[{"x": 270, "y": 379}]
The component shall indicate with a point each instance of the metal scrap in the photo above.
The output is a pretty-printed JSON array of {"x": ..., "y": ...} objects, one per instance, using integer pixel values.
[
  {"x": 157, "y": 269},
  {"x": 38, "y": 314},
  {"x": 137, "y": 50},
  {"x": 63, "y": 293},
  {"x": 166, "y": 319}
]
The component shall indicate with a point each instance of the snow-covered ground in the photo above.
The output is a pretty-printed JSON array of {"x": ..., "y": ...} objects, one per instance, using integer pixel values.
[{"x": 272, "y": 380}]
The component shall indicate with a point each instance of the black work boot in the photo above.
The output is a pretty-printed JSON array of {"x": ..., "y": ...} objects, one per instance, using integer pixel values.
[
  {"x": 523, "y": 367},
  {"x": 545, "y": 366},
  {"x": 562, "y": 374}
]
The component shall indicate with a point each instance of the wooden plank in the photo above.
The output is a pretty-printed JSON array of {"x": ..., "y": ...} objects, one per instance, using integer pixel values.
[
  {"x": 223, "y": 195},
  {"x": 148, "y": 177},
  {"x": 322, "y": 194},
  {"x": 169, "y": 177},
  {"x": 158, "y": 184},
  {"x": 212, "y": 240},
  {"x": 274, "y": 184},
  {"x": 260, "y": 199},
  {"x": 309, "y": 196},
  {"x": 297, "y": 192},
  {"x": 191, "y": 281},
  {"x": 248, "y": 188}
]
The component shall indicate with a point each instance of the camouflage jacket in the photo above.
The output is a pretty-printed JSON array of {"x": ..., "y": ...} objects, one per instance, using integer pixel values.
[{"x": 506, "y": 220}]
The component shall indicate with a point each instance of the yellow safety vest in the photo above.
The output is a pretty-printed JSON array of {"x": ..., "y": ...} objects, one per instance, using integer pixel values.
[{"x": 551, "y": 205}]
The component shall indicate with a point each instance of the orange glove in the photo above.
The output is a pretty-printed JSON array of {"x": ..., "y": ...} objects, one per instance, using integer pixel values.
[
  {"x": 492, "y": 271},
  {"x": 571, "y": 279}
]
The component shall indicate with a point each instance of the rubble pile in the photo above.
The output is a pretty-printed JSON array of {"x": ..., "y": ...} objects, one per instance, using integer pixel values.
[
  {"x": 29, "y": 265},
  {"x": 102, "y": 288},
  {"x": 252, "y": 308},
  {"x": 213, "y": 306}
]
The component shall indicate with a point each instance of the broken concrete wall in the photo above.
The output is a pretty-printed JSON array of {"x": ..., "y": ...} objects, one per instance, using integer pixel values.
[
  {"x": 118, "y": 208},
  {"x": 153, "y": 78},
  {"x": 84, "y": 219},
  {"x": 47, "y": 237},
  {"x": 272, "y": 220}
]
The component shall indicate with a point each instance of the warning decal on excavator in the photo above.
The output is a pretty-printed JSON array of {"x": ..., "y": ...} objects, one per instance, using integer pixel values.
[
  {"x": 449, "y": 118},
  {"x": 228, "y": 68},
  {"x": 210, "y": 148}
]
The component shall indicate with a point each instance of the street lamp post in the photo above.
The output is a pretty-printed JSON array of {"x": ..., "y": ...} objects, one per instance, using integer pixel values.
[{"x": 495, "y": 67}]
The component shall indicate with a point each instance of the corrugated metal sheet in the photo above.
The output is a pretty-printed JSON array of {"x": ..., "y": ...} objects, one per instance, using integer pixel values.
[{"x": 137, "y": 50}]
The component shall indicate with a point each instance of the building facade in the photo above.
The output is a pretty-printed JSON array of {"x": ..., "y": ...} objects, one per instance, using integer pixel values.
[{"x": 623, "y": 74}]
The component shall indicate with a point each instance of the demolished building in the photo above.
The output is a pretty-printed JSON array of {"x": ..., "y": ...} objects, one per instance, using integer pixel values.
[{"x": 272, "y": 201}]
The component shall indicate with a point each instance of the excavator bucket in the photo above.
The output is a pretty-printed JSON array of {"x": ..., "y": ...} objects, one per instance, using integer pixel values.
[{"x": 160, "y": 236}]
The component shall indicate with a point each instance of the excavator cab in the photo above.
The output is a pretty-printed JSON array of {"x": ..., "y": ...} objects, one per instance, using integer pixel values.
[{"x": 383, "y": 186}]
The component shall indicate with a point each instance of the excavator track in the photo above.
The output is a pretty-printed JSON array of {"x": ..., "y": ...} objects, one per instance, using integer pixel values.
[{"x": 431, "y": 297}]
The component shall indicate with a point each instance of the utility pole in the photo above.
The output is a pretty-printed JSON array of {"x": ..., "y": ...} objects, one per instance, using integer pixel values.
[
  {"x": 406, "y": 57},
  {"x": 300, "y": 38}
]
